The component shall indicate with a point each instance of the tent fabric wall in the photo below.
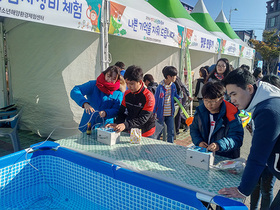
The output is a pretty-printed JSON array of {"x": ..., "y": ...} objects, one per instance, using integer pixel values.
[
  {"x": 199, "y": 59},
  {"x": 46, "y": 63},
  {"x": 234, "y": 61},
  {"x": 150, "y": 57},
  {"x": 246, "y": 62}
]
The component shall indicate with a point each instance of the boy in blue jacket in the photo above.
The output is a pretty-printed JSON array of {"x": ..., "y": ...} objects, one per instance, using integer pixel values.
[
  {"x": 263, "y": 101},
  {"x": 216, "y": 125},
  {"x": 164, "y": 96}
]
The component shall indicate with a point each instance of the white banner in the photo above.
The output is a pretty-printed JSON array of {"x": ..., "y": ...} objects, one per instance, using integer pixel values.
[
  {"x": 247, "y": 52},
  {"x": 202, "y": 42},
  {"x": 131, "y": 23},
  {"x": 77, "y": 14},
  {"x": 230, "y": 48}
]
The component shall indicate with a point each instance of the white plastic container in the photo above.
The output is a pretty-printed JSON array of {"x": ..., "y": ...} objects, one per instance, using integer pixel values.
[
  {"x": 200, "y": 157},
  {"x": 107, "y": 136}
]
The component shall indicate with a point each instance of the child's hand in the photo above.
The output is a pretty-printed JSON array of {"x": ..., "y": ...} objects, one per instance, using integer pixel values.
[
  {"x": 88, "y": 108},
  {"x": 102, "y": 114},
  {"x": 119, "y": 128},
  {"x": 203, "y": 144},
  {"x": 214, "y": 147},
  {"x": 111, "y": 125}
]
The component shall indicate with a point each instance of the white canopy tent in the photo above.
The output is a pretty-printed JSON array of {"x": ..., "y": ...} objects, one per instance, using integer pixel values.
[{"x": 47, "y": 61}]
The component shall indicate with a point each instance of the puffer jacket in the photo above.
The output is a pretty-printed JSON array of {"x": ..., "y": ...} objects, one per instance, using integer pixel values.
[{"x": 228, "y": 132}]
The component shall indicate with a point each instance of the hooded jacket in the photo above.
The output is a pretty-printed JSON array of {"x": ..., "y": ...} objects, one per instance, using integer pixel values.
[
  {"x": 265, "y": 149},
  {"x": 99, "y": 101},
  {"x": 228, "y": 132}
]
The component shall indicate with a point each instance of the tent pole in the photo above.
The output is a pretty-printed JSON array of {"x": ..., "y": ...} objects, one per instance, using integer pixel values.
[
  {"x": 3, "y": 82},
  {"x": 187, "y": 64},
  {"x": 104, "y": 35},
  {"x": 106, "y": 31},
  {"x": 183, "y": 56}
]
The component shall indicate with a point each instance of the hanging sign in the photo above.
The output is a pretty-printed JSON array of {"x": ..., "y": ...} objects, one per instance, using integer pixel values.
[
  {"x": 202, "y": 42},
  {"x": 131, "y": 23},
  {"x": 230, "y": 48},
  {"x": 77, "y": 14}
]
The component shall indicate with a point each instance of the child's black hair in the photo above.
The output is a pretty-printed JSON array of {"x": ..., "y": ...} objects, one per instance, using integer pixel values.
[
  {"x": 120, "y": 65},
  {"x": 148, "y": 77},
  {"x": 169, "y": 70},
  {"x": 112, "y": 69},
  {"x": 246, "y": 67},
  {"x": 256, "y": 72},
  {"x": 204, "y": 73},
  {"x": 212, "y": 90},
  {"x": 133, "y": 73}
]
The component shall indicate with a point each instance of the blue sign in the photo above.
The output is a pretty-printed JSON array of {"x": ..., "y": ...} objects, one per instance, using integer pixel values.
[{"x": 260, "y": 64}]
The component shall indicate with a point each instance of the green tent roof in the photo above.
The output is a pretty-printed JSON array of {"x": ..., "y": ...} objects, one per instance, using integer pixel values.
[
  {"x": 223, "y": 24},
  {"x": 171, "y": 8},
  {"x": 201, "y": 15}
]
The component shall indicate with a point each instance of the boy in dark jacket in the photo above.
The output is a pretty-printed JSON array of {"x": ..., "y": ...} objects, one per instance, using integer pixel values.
[
  {"x": 137, "y": 107},
  {"x": 263, "y": 101},
  {"x": 216, "y": 125},
  {"x": 150, "y": 83}
]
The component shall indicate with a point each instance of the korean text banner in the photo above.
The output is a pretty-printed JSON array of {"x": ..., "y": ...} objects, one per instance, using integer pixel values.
[
  {"x": 77, "y": 14},
  {"x": 230, "y": 48},
  {"x": 247, "y": 52},
  {"x": 202, "y": 42},
  {"x": 131, "y": 23}
]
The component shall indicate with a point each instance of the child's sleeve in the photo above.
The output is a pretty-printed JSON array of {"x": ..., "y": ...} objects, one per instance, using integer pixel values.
[
  {"x": 79, "y": 91},
  {"x": 195, "y": 131},
  {"x": 234, "y": 138},
  {"x": 114, "y": 110}
]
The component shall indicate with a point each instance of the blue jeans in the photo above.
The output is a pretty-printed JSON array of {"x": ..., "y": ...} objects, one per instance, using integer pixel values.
[
  {"x": 264, "y": 188},
  {"x": 169, "y": 121}
]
